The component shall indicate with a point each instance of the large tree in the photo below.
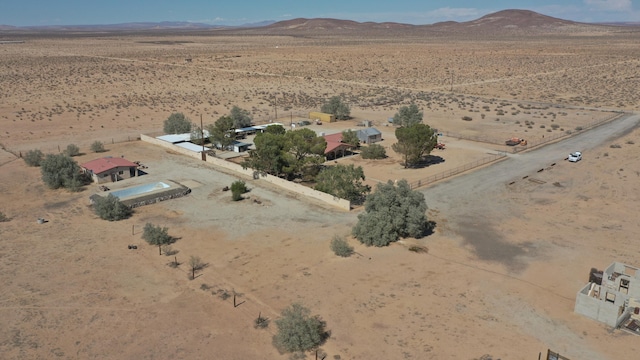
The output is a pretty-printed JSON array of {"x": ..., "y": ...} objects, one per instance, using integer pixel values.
[
  {"x": 177, "y": 123},
  {"x": 269, "y": 154},
  {"x": 298, "y": 331},
  {"x": 241, "y": 118},
  {"x": 336, "y": 107},
  {"x": 157, "y": 235},
  {"x": 61, "y": 171},
  {"x": 414, "y": 142},
  {"x": 408, "y": 115},
  {"x": 391, "y": 212},
  {"x": 304, "y": 152},
  {"x": 343, "y": 181},
  {"x": 292, "y": 154},
  {"x": 221, "y": 132},
  {"x": 350, "y": 137}
]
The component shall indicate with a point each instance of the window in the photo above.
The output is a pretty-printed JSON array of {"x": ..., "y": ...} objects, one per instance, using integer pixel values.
[
  {"x": 611, "y": 298},
  {"x": 121, "y": 172}
]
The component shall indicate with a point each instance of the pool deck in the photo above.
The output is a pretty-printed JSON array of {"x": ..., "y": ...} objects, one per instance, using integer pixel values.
[{"x": 174, "y": 190}]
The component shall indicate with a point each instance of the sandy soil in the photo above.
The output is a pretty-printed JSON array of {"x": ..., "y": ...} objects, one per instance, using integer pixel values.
[{"x": 502, "y": 268}]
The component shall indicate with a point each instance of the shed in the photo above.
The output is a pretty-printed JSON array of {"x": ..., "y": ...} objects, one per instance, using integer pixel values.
[
  {"x": 109, "y": 169},
  {"x": 369, "y": 135},
  {"x": 314, "y": 115}
]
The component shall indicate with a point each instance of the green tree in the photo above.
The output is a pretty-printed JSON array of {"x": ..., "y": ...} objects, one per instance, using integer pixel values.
[
  {"x": 391, "y": 212},
  {"x": 350, "y": 137},
  {"x": 414, "y": 142},
  {"x": 336, "y": 107},
  {"x": 343, "y": 181},
  {"x": 275, "y": 129},
  {"x": 61, "y": 171},
  {"x": 237, "y": 189},
  {"x": 298, "y": 330},
  {"x": 373, "y": 151},
  {"x": 177, "y": 123},
  {"x": 341, "y": 247},
  {"x": 221, "y": 132},
  {"x": 110, "y": 208},
  {"x": 33, "y": 157},
  {"x": 408, "y": 115},
  {"x": 304, "y": 152},
  {"x": 269, "y": 155},
  {"x": 156, "y": 235},
  {"x": 241, "y": 118},
  {"x": 72, "y": 150},
  {"x": 97, "y": 146}
]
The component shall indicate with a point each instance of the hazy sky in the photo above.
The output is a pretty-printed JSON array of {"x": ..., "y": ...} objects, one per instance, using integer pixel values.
[{"x": 87, "y": 12}]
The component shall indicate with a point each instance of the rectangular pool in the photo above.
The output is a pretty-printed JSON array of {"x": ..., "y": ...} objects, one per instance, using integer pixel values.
[{"x": 139, "y": 190}]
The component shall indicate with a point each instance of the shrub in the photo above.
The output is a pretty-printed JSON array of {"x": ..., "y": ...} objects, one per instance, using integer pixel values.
[
  {"x": 33, "y": 157},
  {"x": 298, "y": 330},
  {"x": 60, "y": 171},
  {"x": 156, "y": 235},
  {"x": 374, "y": 151},
  {"x": 110, "y": 208},
  {"x": 97, "y": 147},
  {"x": 615, "y": 146},
  {"x": 341, "y": 247},
  {"x": 237, "y": 189},
  {"x": 72, "y": 150},
  {"x": 177, "y": 123},
  {"x": 3, "y": 217},
  {"x": 467, "y": 118}
]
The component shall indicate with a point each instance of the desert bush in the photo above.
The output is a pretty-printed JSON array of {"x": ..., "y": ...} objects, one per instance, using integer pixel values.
[
  {"x": 373, "y": 151},
  {"x": 72, "y": 150},
  {"x": 467, "y": 118},
  {"x": 615, "y": 146},
  {"x": 177, "y": 123},
  {"x": 33, "y": 157},
  {"x": 579, "y": 128},
  {"x": 391, "y": 212},
  {"x": 261, "y": 322},
  {"x": 341, "y": 247},
  {"x": 3, "y": 217},
  {"x": 555, "y": 126},
  {"x": 61, "y": 171},
  {"x": 97, "y": 146},
  {"x": 298, "y": 331},
  {"x": 542, "y": 126},
  {"x": 110, "y": 208},
  {"x": 630, "y": 142},
  {"x": 237, "y": 189}
]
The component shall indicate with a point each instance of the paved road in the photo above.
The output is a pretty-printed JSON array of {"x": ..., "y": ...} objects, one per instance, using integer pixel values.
[{"x": 471, "y": 202}]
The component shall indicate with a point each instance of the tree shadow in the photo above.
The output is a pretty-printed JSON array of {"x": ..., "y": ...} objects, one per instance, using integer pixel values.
[
  {"x": 430, "y": 228},
  {"x": 428, "y": 161}
]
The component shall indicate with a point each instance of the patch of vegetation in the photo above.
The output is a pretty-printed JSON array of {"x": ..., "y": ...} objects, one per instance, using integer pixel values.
[
  {"x": 97, "y": 147},
  {"x": 341, "y": 247},
  {"x": 408, "y": 115},
  {"x": 61, "y": 171},
  {"x": 343, "y": 181},
  {"x": 3, "y": 217},
  {"x": 72, "y": 150},
  {"x": 373, "y": 151},
  {"x": 615, "y": 146},
  {"x": 110, "y": 208},
  {"x": 261, "y": 322},
  {"x": 33, "y": 157},
  {"x": 391, "y": 212},
  {"x": 156, "y": 235},
  {"x": 177, "y": 123},
  {"x": 237, "y": 189},
  {"x": 467, "y": 118},
  {"x": 298, "y": 331}
]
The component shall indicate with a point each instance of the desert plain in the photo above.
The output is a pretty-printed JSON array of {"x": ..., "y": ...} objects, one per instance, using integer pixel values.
[{"x": 497, "y": 278}]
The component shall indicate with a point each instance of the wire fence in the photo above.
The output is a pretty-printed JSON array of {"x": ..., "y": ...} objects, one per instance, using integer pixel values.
[
  {"x": 555, "y": 356},
  {"x": 456, "y": 171}
]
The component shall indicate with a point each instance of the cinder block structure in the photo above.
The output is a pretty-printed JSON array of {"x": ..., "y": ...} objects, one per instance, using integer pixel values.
[{"x": 613, "y": 297}]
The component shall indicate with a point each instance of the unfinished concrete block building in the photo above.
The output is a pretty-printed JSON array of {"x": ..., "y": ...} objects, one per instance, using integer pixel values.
[{"x": 613, "y": 298}]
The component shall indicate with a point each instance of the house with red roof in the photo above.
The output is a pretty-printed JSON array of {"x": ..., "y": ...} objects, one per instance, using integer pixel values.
[
  {"x": 110, "y": 169},
  {"x": 335, "y": 147}
]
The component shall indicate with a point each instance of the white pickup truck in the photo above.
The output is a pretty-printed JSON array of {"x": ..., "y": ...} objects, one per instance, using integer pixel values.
[{"x": 575, "y": 156}]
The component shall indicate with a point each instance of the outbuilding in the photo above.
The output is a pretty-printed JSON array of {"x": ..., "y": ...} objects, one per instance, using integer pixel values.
[{"x": 369, "y": 135}]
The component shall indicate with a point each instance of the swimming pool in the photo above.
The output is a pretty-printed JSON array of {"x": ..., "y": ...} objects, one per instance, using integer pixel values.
[{"x": 139, "y": 190}]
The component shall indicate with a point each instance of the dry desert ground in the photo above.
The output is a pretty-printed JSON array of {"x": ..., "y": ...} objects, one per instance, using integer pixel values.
[{"x": 497, "y": 278}]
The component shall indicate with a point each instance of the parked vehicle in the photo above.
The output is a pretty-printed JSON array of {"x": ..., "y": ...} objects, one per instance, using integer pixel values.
[
  {"x": 575, "y": 156},
  {"x": 515, "y": 141}
]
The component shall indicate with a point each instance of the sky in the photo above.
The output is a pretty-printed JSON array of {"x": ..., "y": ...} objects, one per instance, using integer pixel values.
[{"x": 239, "y": 12}]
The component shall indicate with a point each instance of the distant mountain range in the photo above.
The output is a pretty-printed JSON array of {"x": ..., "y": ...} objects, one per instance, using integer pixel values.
[{"x": 506, "y": 21}]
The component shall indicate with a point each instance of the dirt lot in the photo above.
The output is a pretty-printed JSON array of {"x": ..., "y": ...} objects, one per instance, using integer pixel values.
[{"x": 502, "y": 267}]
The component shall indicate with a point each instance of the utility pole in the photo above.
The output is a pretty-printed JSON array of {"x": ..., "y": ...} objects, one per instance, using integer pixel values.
[{"x": 204, "y": 155}]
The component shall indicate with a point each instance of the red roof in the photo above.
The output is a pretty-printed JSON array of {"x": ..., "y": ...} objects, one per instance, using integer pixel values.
[
  {"x": 98, "y": 166},
  {"x": 337, "y": 138}
]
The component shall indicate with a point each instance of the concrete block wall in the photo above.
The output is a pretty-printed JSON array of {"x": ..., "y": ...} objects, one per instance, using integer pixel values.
[{"x": 284, "y": 184}]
